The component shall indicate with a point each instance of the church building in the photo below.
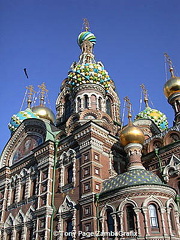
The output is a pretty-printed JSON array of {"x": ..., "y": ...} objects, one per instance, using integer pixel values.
[{"x": 83, "y": 175}]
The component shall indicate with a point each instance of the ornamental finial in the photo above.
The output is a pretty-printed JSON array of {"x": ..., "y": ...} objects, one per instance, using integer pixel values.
[{"x": 144, "y": 90}]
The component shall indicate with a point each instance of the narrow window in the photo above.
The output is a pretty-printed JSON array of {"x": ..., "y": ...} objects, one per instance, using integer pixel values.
[
  {"x": 100, "y": 103},
  {"x": 70, "y": 174},
  {"x": 67, "y": 107},
  {"x": 110, "y": 221},
  {"x": 78, "y": 103},
  {"x": 33, "y": 187},
  {"x": 130, "y": 218},
  {"x": 13, "y": 195},
  {"x": 69, "y": 229},
  {"x": 153, "y": 216},
  {"x": 108, "y": 107},
  {"x": 86, "y": 101},
  {"x": 23, "y": 191}
]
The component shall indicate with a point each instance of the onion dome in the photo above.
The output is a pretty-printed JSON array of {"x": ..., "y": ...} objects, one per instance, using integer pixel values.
[
  {"x": 44, "y": 113},
  {"x": 133, "y": 177},
  {"x": 89, "y": 73},
  {"x": 172, "y": 86},
  {"x": 131, "y": 134},
  {"x": 156, "y": 116},
  {"x": 18, "y": 118},
  {"x": 86, "y": 36}
]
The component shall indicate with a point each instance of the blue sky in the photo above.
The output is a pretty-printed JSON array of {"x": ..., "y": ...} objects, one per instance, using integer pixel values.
[{"x": 41, "y": 35}]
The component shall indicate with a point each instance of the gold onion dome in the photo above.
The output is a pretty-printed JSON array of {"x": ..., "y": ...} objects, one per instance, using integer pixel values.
[
  {"x": 44, "y": 112},
  {"x": 172, "y": 86},
  {"x": 131, "y": 134}
]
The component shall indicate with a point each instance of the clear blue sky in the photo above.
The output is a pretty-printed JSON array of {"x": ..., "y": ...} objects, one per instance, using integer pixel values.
[{"x": 41, "y": 35}]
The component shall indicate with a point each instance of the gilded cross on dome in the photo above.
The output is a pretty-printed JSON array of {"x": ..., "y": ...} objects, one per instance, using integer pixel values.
[
  {"x": 30, "y": 93},
  {"x": 169, "y": 62},
  {"x": 129, "y": 108},
  {"x": 86, "y": 24},
  {"x": 144, "y": 90},
  {"x": 42, "y": 93}
]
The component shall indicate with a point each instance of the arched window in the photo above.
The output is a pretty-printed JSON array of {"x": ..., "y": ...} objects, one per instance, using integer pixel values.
[
  {"x": 110, "y": 220},
  {"x": 78, "y": 103},
  {"x": 100, "y": 103},
  {"x": 67, "y": 107},
  {"x": 108, "y": 107},
  {"x": 86, "y": 101},
  {"x": 153, "y": 216},
  {"x": 130, "y": 218}
]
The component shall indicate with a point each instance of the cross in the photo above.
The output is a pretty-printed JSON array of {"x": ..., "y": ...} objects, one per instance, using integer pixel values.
[
  {"x": 30, "y": 93},
  {"x": 168, "y": 60},
  {"x": 144, "y": 90},
  {"x": 86, "y": 24},
  {"x": 42, "y": 93},
  {"x": 129, "y": 107}
]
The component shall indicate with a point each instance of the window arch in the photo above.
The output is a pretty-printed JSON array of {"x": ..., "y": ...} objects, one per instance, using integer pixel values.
[{"x": 153, "y": 216}]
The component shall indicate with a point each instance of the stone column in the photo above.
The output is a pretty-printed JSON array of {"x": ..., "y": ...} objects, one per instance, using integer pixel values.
[
  {"x": 120, "y": 215},
  {"x": 169, "y": 221},
  {"x": 145, "y": 211},
  {"x": 176, "y": 216},
  {"x": 163, "y": 211},
  {"x": 115, "y": 224},
  {"x": 138, "y": 211}
]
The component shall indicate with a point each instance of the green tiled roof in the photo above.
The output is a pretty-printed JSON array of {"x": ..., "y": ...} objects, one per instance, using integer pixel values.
[{"x": 133, "y": 177}]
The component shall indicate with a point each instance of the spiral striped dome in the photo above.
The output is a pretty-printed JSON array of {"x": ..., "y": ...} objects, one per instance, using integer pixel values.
[{"x": 86, "y": 36}]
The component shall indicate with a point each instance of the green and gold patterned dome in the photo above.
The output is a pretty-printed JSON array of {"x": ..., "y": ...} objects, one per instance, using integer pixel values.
[
  {"x": 156, "y": 116},
  {"x": 89, "y": 73},
  {"x": 133, "y": 177}
]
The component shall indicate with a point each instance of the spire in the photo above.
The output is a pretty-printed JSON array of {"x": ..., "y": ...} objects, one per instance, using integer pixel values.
[
  {"x": 144, "y": 90},
  {"x": 42, "y": 93},
  {"x": 30, "y": 93},
  {"x": 170, "y": 64}
]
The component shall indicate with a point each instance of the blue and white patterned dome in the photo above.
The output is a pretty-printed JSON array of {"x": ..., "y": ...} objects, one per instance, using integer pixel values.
[{"x": 17, "y": 119}]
